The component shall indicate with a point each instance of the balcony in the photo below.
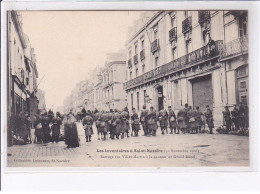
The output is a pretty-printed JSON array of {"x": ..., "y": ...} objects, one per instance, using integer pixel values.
[
  {"x": 235, "y": 47},
  {"x": 203, "y": 16},
  {"x": 136, "y": 59},
  {"x": 155, "y": 46},
  {"x": 142, "y": 55},
  {"x": 173, "y": 34},
  {"x": 129, "y": 63},
  {"x": 198, "y": 56},
  {"x": 186, "y": 25}
]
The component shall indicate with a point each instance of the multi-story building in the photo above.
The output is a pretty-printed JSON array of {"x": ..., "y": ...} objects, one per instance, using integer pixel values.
[
  {"x": 17, "y": 68},
  {"x": 99, "y": 93},
  {"x": 114, "y": 75},
  {"x": 178, "y": 57}
]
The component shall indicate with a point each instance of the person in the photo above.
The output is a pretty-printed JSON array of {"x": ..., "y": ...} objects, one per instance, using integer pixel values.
[
  {"x": 71, "y": 132},
  {"x": 87, "y": 123},
  {"x": 143, "y": 120},
  {"x": 235, "y": 117},
  {"x": 83, "y": 113},
  {"x": 172, "y": 120},
  {"x": 125, "y": 122},
  {"x": 50, "y": 115},
  {"x": 163, "y": 117},
  {"x": 39, "y": 135},
  {"x": 227, "y": 119},
  {"x": 23, "y": 125},
  {"x": 193, "y": 124},
  {"x": 46, "y": 127},
  {"x": 209, "y": 119},
  {"x": 152, "y": 122},
  {"x": 242, "y": 111},
  {"x": 118, "y": 124},
  {"x": 135, "y": 122},
  {"x": 55, "y": 128},
  {"x": 198, "y": 118},
  {"x": 182, "y": 119},
  {"x": 97, "y": 118},
  {"x": 103, "y": 127}
]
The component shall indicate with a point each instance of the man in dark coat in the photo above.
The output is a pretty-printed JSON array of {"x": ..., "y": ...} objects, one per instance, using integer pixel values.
[
  {"x": 163, "y": 120},
  {"x": 152, "y": 122},
  {"x": 227, "y": 119},
  {"x": 172, "y": 120},
  {"x": 198, "y": 118},
  {"x": 143, "y": 120},
  {"x": 183, "y": 119},
  {"x": 209, "y": 119},
  {"x": 235, "y": 117},
  {"x": 55, "y": 128},
  {"x": 46, "y": 127},
  {"x": 87, "y": 123},
  {"x": 135, "y": 122}
]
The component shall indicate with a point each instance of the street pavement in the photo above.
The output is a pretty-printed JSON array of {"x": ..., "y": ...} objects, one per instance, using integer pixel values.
[{"x": 170, "y": 150}]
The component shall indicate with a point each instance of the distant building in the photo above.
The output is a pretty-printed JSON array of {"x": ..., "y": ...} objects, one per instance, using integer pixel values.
[
  {"x": 41, "y": 101},
  {"x": 114, "y": 75}
]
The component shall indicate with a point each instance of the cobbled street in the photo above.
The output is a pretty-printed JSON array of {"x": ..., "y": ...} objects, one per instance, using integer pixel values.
[{"x": 170, "y": 150}]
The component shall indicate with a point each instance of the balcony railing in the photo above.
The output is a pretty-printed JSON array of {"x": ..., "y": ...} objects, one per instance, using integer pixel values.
[
  {"x": 186, "y": 25},
  {"x": 198, "y": 56},
  {"x": 142, "y": 55},
  {"x": 129, "y": 63},
  {"x": 173, "y": 34},
  {"x": 234, "y": 47},
  {"x": 155, "y": 46},
  {"x": 203, "y": 16},
  {"x": 136, "y": 59}
]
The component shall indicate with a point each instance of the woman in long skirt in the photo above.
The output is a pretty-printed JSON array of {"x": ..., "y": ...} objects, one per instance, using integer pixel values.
[{"x": 71, "y": 132}]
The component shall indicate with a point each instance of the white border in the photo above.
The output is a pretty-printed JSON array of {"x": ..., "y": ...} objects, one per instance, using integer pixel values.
[{"x": 252, "y": 7}]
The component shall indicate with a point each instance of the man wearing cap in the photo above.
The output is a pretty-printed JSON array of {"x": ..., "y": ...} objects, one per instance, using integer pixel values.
[
  {"x": 183, "y": 119},
  {"x": 172, "y": 120},
  {"x": 227, "y": 118},
  {"x": 143, "y": 120},
  {"x": 209, "y": 119},
  {"x": 152, "y": 122},
  {"x": 135, "y": 122}
]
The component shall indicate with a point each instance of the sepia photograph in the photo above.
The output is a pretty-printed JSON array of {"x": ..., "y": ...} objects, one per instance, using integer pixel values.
[{"x": 125, "y": 88}]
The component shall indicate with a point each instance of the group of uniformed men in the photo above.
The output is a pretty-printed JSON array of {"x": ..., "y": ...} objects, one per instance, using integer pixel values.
[{"x": 117, "y": 123}]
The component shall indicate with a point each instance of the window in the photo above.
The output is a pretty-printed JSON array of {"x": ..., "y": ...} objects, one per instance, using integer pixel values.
[
  {"x": 142, "y": 44},
  {"x": 156, "y": 62},
  {"x": 136, "y": 72},
  {"x": 173, "y": 21},
  {"x": 242, "y": 25},
  {"x": 138, "y": 105},
  {"x": 131, "y": 75},
  {"x": 136, "y": 49},
  {"x": 132, "y": 100},
  {"x": 174, "y": 53},
  {"x": 205, "y": 37},
  {"x": 130, "y": 54},
  {"x": 143, "y": 69},
  {"x": 188, "y": 46},
  {"x": 242, "y": 85},
  {"x": 185, "y": 14},
  {"x": 155, "y": 30},
  {"x": 144, "y": 95}
]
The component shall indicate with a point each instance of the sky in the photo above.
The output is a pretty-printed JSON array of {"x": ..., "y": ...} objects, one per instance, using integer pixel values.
[{"x": 69, "y": 44}]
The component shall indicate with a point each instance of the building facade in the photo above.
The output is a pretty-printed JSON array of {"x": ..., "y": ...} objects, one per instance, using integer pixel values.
[
  {"x": 114, "y": 76},
  {"x": 179, "y": 57}
]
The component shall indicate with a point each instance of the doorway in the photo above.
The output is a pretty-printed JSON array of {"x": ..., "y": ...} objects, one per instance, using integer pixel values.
[{"x": 160, "y": 97}]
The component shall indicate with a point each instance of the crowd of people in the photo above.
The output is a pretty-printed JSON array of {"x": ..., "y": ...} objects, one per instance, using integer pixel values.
[{"x": 115, "y": 124}]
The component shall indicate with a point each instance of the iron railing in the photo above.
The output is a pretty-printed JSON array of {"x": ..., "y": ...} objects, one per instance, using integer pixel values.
[
  {"x": 205, "y": 53},
  {"x": 203, "y": 16},
  {"x": 234, "y": 47}
]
